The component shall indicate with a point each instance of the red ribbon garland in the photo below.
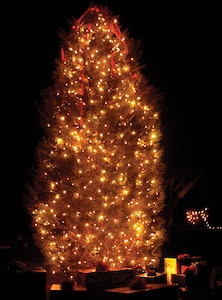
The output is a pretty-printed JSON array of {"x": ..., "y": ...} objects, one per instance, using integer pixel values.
[
  {"x": 116, "y": 30},
  {"x": 81, "y": 104}
]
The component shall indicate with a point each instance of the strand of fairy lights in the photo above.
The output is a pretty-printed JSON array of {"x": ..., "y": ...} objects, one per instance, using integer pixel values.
[{"x": 197, "y": 216}]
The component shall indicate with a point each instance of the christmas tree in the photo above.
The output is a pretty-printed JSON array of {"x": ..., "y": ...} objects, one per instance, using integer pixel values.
[{"x": 96, "y": 191}]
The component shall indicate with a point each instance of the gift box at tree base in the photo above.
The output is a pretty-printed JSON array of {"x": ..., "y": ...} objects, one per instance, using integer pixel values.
[
  {"x": 192, "y": 272},
  {"x": 183, "y": 260},
  {"x": 111, "y": 278}
]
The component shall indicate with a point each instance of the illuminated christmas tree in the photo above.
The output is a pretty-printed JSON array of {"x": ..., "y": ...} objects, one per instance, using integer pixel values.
[{"x": 96, "y": 192}]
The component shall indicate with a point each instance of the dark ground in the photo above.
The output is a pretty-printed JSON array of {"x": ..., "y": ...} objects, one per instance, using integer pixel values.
[{"x": 196, "y": 242}]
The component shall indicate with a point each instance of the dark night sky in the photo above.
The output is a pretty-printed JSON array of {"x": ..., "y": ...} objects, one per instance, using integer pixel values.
[{"x": 182, "y": 53}]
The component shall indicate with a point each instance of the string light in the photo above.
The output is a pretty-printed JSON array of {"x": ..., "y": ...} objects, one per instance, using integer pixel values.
[
  {"x": 98, "y": 191},
  {"x": 196, "y": 217}
]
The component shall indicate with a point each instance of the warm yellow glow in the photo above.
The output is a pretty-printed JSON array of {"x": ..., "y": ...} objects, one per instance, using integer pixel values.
[
  {"x": 99, "y": 186},
  {"x": 59, "y": 141},
  {"x": 170, "y": 267}
]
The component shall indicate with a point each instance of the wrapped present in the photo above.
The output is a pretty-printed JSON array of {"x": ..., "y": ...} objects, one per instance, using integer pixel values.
[
  {"x": 189, "y": 280},
  {"x": 151, "y": 271},
  {"x": 188, "y": 270},
  {"x": 97, "y": 282},
  {"x": 183, "y": 259},
  {"x": 121, "y": 277},
  {"x": 158, "y": 278},
  {"x": 105, "y": 279},
  {"x": 82, "y": 275}
]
